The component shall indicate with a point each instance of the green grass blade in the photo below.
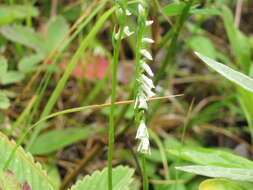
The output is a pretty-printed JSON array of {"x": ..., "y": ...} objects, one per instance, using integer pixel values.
[{"x": 238, "y": 41}]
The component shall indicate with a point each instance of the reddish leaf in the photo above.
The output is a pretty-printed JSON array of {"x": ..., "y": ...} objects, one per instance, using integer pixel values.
[{"x": 94, "y": 68}]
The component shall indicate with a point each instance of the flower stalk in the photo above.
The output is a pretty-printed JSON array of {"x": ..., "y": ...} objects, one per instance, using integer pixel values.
[
  {"x": 143, "y": 87},
  {"x": 123, "y": 31}
]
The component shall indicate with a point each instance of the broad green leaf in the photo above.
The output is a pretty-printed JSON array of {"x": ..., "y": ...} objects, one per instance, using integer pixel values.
[
  {"x": 56, "y": 29},
  {"x": 30, "y": 63},
  {"x": 237, "y": 77},
  {"x": 122, "y": 178},
  {"x": 203, "y": 45},
  {"x": 8, "y": 181},
  {"x": 220, "y": 184},
  {"x": 23, "y": 166},
  {"x": 12, "y": 77},
  {"x": 3, "y": 66},
  {"x": 26, "y": 36},
  {"x": 239, "y": 43},
  {"x": 240, "y": 174},
  {"x": 57, "y": 139},
  {"x": 210, "y": 157},
  {"x": 4, "y": 101},
  {"x": 9, "y": 14}
]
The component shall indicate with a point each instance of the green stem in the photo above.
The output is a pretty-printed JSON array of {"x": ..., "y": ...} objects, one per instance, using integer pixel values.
[
  {"x": 112, "y": 110},
  {"x": 144, "y": 173},
  {"x": 138, "y": 56}
]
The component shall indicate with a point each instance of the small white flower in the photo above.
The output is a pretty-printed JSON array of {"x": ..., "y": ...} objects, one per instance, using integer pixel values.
[
  {"x": 146, "y": 68},
  {"x": 148, "y": 40},
  {"x": 127, "y": 31},
  {"x": 149, "y": 22},
  {"x": 141, "y": 101},
  {"x": 128, "y": 13},
  {"x": 144, "y": 146},
  {"x": 121, "y": 11},
  {"x": 147, "y": 90},
  {"x": 143, "y": 104},
  {"x": 145, "y": 53},
  {"x": 147, "y": 81},
  {"x": 142, "y": 131},
  {"x": 141, "y": 9}
]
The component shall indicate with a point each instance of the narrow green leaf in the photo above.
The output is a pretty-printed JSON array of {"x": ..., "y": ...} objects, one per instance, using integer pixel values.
[
  {"x": 210, "y": 157},
  {"x": 239, "y": 43},
  {"x": 237, "y": 77},
  {"x": 246, "y": 101},
  {"x": 57, "y": 139},
  {"x": 23, "y": 166},
  {"x": 122, "y": 178},
  {"x": 175, "y": 9},
  {"x": 205, "y": 11},
  {"x": 240, "y": 174},
  {"x": 203, "y": 45}
]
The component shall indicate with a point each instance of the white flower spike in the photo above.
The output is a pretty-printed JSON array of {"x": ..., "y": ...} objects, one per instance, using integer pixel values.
[
  {"x": 146, "y": 68},
  {"x": 146, "y": 54},
  {"x": 144, "y": 146},
  {"x": 142, "y": 131},
  {"x": 148, "y": 40}
]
